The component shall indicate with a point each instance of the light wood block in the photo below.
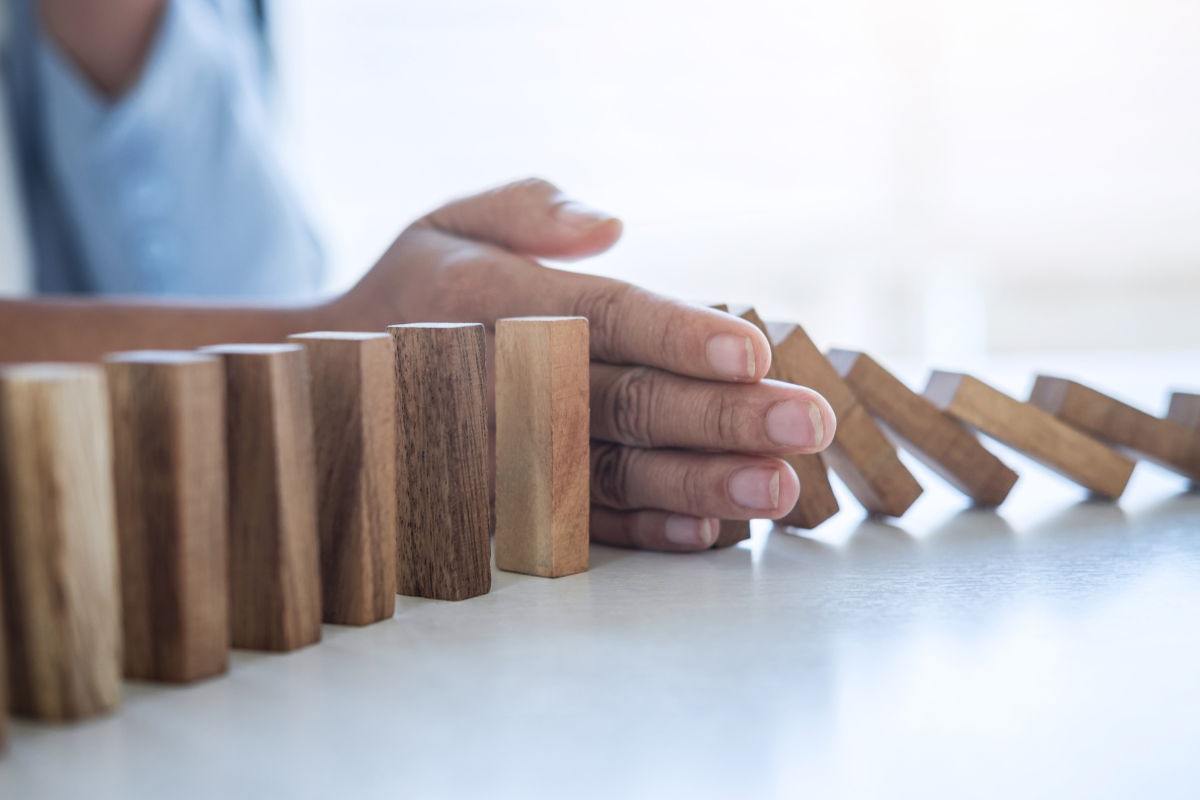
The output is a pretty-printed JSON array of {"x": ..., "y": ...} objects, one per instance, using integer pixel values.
[
  {"x": 58, "y": 542},
  {"x": 1030, "y": 430},
  {"x": 542, "y": 445},
  {"x": 817, "y": 502},
  {"x": 928, "y": 433},
  {"x": 1184, "y": 409},
  {"x": 169, "y": 466},
  {"x": 1134, "y": 432},
  {"x": 354, "y": 423},
  {"x": 442, "y": 497},
  {"x": 860, "y": 454},
  {"x": 274, "y": 569}
]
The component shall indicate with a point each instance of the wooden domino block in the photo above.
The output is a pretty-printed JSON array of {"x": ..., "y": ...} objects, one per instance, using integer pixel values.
[
  {"x": 58, "y": 542},
  {"x": 731, "y": 532},
  {"x": 168, "y": 423},
  {"x": 1135, "y": 432},
  {"x": 442, "y": 499},
  {"x": 1184, "y": 409},
  {"x": 860, "y": 454},
  {"x": 816, "y": 502},
  {"x": 542, "y": 445},
  {"x": 354, "y": 424},
  {"x": 274, "y": 570},
  {"x": 931, "y": 435},
  {"x": 1030, "y": 430}
]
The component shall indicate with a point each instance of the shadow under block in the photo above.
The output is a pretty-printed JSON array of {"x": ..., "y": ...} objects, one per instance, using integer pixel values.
[
  {"x": 860, "y": 454},
  {"x": 58, "y": 542},
  {"x": 817, "y": 502},
  {"x": 274, "y": 570},
  {"x": 1139, "y": 434},
  {"x": 444, "y": 509},
  {"x": 928, "y": 433},
  {"x": 354, "y": 424},
  {"x": 1030, "y": 430},
  {"x": 168, "y": 424},
  {"x": 543, "y": 470}
]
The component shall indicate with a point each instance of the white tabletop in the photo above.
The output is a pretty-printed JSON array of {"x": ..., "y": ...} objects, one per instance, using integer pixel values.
[{"x": 1050, "y": 650}]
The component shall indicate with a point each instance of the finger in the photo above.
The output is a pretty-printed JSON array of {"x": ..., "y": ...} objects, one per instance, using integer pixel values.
[
  {"x": 531, "y": 217},
  {"x": 728, "y": 486},
  {"x": 653, "y": 530},
  {"x": 646, "y": 407}
]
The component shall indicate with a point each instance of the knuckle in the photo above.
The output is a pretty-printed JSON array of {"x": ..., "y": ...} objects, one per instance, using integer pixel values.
[
  {"x": 610, "y": 474},
  {"x": 603, "y": 307},
  {"x": 631, "y": 406},
  {"x": 720, "y": 421}
]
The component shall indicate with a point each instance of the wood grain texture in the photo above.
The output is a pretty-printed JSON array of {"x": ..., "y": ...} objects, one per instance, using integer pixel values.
[
  {"x": 58, "y": 542},
  {"x": 928, "y": 433},
  {"x": 860, "y": 454},
  {"x": 442, "y": 495},
  {"x": 1134, "y": 432},
  {"x": 274, "y": 569},
  {"x": 354, "y": 423},
  {"x": 169, "y": 466},
  {"x": 1030, "y": 430},
  {"x": 817, "y": 502},
  {"x": 543, "y": 470}
]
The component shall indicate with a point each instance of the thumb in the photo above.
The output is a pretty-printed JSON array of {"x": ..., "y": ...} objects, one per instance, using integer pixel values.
[{"x": 531, "y": 217}]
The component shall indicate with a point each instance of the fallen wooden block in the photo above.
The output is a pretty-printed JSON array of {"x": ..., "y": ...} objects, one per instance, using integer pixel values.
[
  {"x": 354, "y": 431},
  {"x": 542, "y": 445},
  {"x": 931, "y": 435},
  {"x": 444, "y": 551},
  {"x": 1161, "y": 441},
  {"x": 274, "y": 569},
  {"x": 860, "y": 454},
  {"x": 58, "y": 542},
  {"x": 1030, "y": 430},
  {"x": 169, "y": 466},
  {"x": 816, "y": 502},
  {"x": 1184, "y": 409}
]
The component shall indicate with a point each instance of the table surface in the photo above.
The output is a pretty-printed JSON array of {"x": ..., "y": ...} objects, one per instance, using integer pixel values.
[{"x": 1048, "y": 650}]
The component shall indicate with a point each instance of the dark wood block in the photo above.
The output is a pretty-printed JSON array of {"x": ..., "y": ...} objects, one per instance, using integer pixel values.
[
  {"x": 928, "y": 433},
  {"x": 860, "y": 454},
  {"x": 1030, "y": 430},
  {"x": 442, "y": 496},
  {"x": 543, "y": 471},
  {"x": 732, "y": 531},
  {"x": 354, "y": 417},
  {"x": 168, "y": 422},
  {"x": 1134, "y": 432},
  {"x": 58, "y": 542},
  {"x": 274, "y": 568}
]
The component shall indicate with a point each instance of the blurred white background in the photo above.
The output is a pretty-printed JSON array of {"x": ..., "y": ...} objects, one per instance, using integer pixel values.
[{"x": 940, "y": 179}]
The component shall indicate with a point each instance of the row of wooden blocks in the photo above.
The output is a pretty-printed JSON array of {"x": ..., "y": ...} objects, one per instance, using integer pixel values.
[
  {"x": 166, "y": 506},
  {"x": 1076, "y": 431}
]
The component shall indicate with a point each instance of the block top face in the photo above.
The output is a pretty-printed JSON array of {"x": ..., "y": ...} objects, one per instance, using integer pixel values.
[
  {"x": 166, "y": 357},
  {"x": 843, "y": 360},
  {"x": 777, "y": 332},
  {"x": 942, "y": 388},
  {"x": 1049, "y": 393},
  {"x": 251, "y": 349},
  {"x": 347, "y": 336},
  {"x": 508, "y": 320},
  {"x": 48, "y": 372},
  {"x": 1184, "y": 409},
  {"x": 437, "y": 325}
]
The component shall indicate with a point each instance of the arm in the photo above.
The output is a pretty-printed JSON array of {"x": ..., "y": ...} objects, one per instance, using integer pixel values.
[{"x": 108, "y": 40}]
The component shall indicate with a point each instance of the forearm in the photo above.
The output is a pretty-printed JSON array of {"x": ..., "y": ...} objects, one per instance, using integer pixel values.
[{"x": 108, "y": 40}]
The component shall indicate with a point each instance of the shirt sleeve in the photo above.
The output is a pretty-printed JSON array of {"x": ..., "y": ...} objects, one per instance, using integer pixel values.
[{"x": 176, "y": 187}]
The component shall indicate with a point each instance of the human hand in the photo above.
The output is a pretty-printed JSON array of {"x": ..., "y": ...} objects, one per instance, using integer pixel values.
[{"x": 685, "y": 431}]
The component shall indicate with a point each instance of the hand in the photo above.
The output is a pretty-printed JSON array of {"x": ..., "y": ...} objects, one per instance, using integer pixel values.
[{"x": 685, "y": 430}]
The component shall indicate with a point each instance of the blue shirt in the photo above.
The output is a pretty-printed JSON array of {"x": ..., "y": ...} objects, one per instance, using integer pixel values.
[{"x": 175, "y": 187}]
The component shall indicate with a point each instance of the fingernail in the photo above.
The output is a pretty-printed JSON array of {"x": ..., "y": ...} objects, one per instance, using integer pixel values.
[
  {"x": 755, "y": 487},
  {"x": 577, "y": 215},
  {"x": 690, "y": 531},
  {"x": 731, "y": 355},
  {"x": 793, "y": 423}
]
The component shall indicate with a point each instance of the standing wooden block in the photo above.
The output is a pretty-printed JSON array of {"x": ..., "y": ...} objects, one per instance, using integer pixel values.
[
  {"x": 860, "y": 454},
  {"x": 816, "y": 502},
  {"x": 354, "y": 415},
  {"x": 1141, "y": 435},
  {"x": 923, "y": 430},
  {"x": 58, "y": 542},
  {"x": 1030, "y": 430},
  {"x": 274, "y": 570},
  {"x": 542, "y": 455},
  {"x": 168, "y": 423},
  {"x": 443, "y": 549}
]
